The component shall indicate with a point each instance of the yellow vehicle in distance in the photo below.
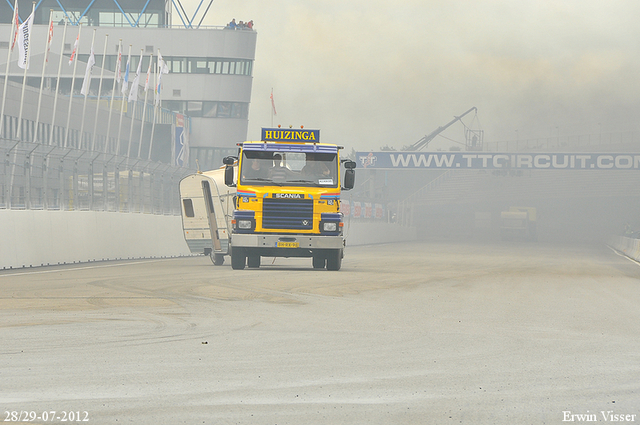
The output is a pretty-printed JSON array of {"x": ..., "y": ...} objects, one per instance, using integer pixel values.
[{"x": 519, "y": 223}]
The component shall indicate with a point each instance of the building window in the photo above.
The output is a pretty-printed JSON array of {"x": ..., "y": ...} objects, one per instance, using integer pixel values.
[
  {"x": 174, "y": 105},
  {"x": 209, "y": 109},
  {"x": 178, "y": 65},
  {"x": 194, "y": 109}
]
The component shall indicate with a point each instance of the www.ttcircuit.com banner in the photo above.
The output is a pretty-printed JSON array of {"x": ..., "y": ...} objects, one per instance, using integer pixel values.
[{"x": 498, "y": 161}]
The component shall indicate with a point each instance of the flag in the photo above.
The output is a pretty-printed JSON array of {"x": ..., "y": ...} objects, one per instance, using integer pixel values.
[
  {"x": 146, "y": 83},
  {"x": 75, "y": 48},
  {"x": 162, "y": 65},
  {"x": 133, "y": 94},
  {"x": 119, "y": 63},
  {"x": 17, "y": 24},
  {"x": 86, "y": 83},
  {"x": 49, "y": 38},
  {"x": 273, "y": 104},
  {"x": 24, "y": 40},
  {"x": 125, "y": 80},
  {"x": 162, "y": 69}
]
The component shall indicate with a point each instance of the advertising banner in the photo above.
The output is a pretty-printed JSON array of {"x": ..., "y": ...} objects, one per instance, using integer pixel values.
[
  {"x": 357, "y": 209},
  {"x": 368, "y": 210},
  {"x": 180, "y": 147},
  {"x": 379, "y": 211},
  {"x": 498, "y": 161},
  {"x": 345, "y": 208}
]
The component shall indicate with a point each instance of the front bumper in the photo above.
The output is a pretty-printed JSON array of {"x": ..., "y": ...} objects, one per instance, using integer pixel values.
[
  {"x": 271, "y": 241},
  {"x": 266, "y": 245}
]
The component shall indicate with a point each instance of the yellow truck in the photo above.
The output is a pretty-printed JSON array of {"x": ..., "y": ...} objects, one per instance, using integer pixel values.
[
  {"x": 518, "y": 223},
  {"x": 280, "y": 197}
]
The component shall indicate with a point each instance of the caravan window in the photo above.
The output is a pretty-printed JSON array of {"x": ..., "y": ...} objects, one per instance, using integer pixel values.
[{"x": 188, "y": 208}]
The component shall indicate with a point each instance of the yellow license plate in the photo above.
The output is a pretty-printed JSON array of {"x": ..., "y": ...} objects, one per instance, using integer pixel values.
[{"x": 288, "y": 245}]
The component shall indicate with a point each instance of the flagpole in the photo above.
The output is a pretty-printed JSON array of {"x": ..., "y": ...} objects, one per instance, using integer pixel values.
[
  {"x": 116, "y": 77},
  {"x": 144, "y": 108},
  {"x": 44, "y": 65},
  {"x": 55, "y": 97},
  {"x": 87, "y": 80},
  {"x": 73, "y": 81},
  {"x": 123, "y": 101},
  {"x": 6, "y": 72},
  {"x": 134, "y": 86},
  {"x": 273, "y": 107},
  {"x": 95, "y": 121},
  {"x": 26, "y": 67},
  {"x": 156, "y": 100}
]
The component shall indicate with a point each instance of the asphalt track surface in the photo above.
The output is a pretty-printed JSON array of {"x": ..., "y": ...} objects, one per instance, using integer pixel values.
[{"x": 419, "y": 333}]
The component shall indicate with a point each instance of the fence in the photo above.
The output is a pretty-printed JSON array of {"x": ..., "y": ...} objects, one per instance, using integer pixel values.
[
  {"x": 39, "y": 176},
  {"x": 582, "y": 141}
]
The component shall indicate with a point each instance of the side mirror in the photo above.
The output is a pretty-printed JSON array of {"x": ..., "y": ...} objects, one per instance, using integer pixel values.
[
  {"x": 228, "y": 175},
  {"x": 228, "y": 160},
  {"x": 349, "y": 178},
  {"x": 349, "y": 165}
]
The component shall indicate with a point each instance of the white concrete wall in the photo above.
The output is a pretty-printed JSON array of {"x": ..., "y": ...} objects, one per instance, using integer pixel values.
[
  {"x": 34, "y": 238},
  {"x": 628, "y": 246}
]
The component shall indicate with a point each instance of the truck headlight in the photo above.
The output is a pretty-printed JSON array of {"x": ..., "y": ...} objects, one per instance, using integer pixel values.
[
  {"x": 330, "y": 227},
  {"x": 244, "y": 224}
]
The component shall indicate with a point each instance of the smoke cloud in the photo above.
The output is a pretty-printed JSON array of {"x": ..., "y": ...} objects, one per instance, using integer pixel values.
[{"x": 374, "y": 73}]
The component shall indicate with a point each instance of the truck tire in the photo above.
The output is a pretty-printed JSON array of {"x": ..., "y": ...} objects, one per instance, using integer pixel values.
[
  {"x": 238, "y": 259},
  {"x": 319, "y": 262},
  {"x": 253, "y": 261},
  {"x": 334, "y": 259},
  {"x": 217, "y": 259}
]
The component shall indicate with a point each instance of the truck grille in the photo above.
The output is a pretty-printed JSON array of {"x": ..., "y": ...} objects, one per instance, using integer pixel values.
[{"x": 287, "y": 214}]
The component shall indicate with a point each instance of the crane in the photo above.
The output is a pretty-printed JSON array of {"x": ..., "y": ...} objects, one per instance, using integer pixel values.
[{"x": 429, "y": 137}]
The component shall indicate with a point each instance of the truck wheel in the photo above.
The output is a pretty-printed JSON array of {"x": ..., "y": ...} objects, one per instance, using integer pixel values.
[
  {"x": 238, "y": 259},
  {"x": 334, "y": 260},
  {"x": 217, "y": 259},
  {"x": 319, "y": 262},
  {"x": 253, "y": 261}
]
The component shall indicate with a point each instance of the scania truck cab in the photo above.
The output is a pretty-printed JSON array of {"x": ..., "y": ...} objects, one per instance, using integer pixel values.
[{"x": 287, "y": 201}]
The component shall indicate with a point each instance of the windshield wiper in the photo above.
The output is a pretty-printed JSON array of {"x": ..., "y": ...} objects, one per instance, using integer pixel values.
[{"x": 306, "y": 181}]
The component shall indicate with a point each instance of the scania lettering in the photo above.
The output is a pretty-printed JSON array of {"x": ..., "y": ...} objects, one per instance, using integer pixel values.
[{"x": 281, "y": 198}]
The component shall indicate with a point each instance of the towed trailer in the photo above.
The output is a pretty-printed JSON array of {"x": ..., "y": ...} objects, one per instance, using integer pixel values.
[{"x": 207, "y": 211}]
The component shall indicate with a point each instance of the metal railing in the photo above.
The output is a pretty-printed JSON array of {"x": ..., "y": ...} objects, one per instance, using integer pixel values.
[
  {"x": 557, "y": 143},
  {"x": 45, "y": 177}
]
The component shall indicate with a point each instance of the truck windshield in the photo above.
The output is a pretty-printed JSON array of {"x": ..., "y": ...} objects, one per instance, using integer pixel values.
[{"x": 289, "y": 169}]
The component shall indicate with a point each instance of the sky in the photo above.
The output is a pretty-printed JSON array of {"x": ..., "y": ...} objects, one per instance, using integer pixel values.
[{"x": 376, "y": 73}]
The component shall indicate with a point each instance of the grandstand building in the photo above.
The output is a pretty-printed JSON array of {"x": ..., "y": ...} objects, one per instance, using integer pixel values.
[{"x": 207, "y": 90}]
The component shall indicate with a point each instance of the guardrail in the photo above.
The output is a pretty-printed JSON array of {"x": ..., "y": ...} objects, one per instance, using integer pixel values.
[{"x": 43, "y": 177}]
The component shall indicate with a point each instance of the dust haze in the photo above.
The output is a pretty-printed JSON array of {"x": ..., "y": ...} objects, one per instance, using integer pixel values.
[
  {"x": 371, "y": 74},
  {"x": 374, "y": 74}
]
